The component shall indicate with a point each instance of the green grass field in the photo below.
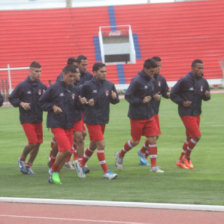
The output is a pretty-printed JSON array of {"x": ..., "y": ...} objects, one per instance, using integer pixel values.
[{"x": 203, "y": 185}]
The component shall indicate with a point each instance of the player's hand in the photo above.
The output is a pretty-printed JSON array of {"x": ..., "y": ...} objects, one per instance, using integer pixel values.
[
  {"x": 82, "y": 100},
  {"x": 57, "y": 110},
  {"x": 146, "y": 99},
  {"x": 25, "y": 106},
  {"x": 113, "y": 95},
  {"x": 91, "y": 102},
  {"x": 157, "y": 97},
  {"x": 207, "y": 93},
  {"x": 187, "y": 103}
]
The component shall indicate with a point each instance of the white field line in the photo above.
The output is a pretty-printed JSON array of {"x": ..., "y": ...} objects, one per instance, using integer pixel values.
[
  {"x": 216, "y": 208},
  {"x": 69, "y": 219}
]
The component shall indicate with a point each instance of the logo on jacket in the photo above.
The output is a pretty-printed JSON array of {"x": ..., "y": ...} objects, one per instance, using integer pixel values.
[
  {"x": 201, "y": 88},
  {"x": 107, "y": 93},
  {"x": 146, "y": 87},
  {"x": 61, "y": 94},
  {"x": 28, "y": 92},
  {"x": 39, "y": 92},
  {"x": 159, "y": 84},
  {"x": 73, "y": 96},
  {"x": 191, "y": 88},
  {"x": 95, "y": 91}
]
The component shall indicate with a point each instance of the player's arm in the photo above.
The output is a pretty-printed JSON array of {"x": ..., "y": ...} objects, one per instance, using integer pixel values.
[
  {"x": 15, "y": 96},
  {"x": 114, "y": 95},
  {"x": 175, "y": 95},
  {"x": 87, "y": 95},
  {"x": 206, "y": 93},
  {"x": 156, "y": 95},
  {"x": 130, "y": 95},
  {"x": 165, "y": 89},
  {"x": 1, "y": 100},
  {"x": 46, "y": 100}
]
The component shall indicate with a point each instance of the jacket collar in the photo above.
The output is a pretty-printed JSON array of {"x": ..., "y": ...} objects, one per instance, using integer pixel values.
[
  {"x": 36, "y": 82},
  {"x": 98, "y": 82},
  {"x": 192, "y": 76},
  {"x": 144, "y": 75}
]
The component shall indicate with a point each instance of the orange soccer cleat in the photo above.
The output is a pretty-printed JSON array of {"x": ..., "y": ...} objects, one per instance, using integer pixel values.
[
  {"x": 181, "y": 164},
  {"x": 188, "y": 163}
]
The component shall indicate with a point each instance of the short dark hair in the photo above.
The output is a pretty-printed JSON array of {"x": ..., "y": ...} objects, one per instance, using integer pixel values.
[
  {"x": 150, "y": 63},
  {"x": 70, "y": 68},
  {"x": 71, "y": 60},
  {"x": 97, "y": 66},
  {"x": 156, "y": 58},
  {"x": 81, "y": 57},
  {"x": 196, "y": 61},
  {"x": 35, "y": 64}
]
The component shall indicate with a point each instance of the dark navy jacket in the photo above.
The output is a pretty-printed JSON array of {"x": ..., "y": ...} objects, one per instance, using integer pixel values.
[
  {"x": 1, "y": 99},
  {"x": 84, "y": 77},
  {"x": 140, "y": 86},
  {"x": 190, "y": 88},
  {"x": 28, "y": 91},
  {"x": 65, "y": 98},
  {"x": 100, "y": 91},
  {"x": 162, "y": 88}
]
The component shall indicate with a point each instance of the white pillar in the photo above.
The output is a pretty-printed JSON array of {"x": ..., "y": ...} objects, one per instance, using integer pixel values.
[
  {"x": 68, "y": 3},
  {"x": 10, "y": 80}
]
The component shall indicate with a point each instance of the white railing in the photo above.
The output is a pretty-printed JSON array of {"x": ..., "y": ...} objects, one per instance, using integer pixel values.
[{"x": 8, "y": 69}]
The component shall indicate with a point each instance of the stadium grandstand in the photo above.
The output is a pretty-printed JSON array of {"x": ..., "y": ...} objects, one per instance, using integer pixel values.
[{"x": 177, "y": 31}]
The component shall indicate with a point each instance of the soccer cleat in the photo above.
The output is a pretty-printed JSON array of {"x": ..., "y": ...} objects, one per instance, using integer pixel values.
[
  {"x": 181, "y": 164},
  {"x": 109, "y": 175},
  {"x": 80, "y": 171},
  {"x": 56, "y": 178},
  {"x": 86, "y": 169},
  {"x": 22, "y": 166},
  {"x": 188, "y": 163},
  {"x": 69, "y": 165},
  {"x": 50, "y": 181},
  {"x": 156, "y": 169},
  {"x": 30, "y": 171},
  {"x": 118, "y": 161},
  {"x": 143, "y": 161}
]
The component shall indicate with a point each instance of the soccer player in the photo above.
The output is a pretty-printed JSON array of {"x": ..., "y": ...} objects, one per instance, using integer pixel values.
[
  {"x": 188, "y": 93},
  {"x": 54, "y": 147},
  {"x": 70, "y": 61},
  {"x": 141, "y": 94},
  {"x": 59, "y": 100},
  {"x": 26, "y": 96},
  {"x": 163, "y": 90},
  {"x": 99, "y": 93},
  {"x": 82, "y": 63},
  {"x": 1, "y": 99}
]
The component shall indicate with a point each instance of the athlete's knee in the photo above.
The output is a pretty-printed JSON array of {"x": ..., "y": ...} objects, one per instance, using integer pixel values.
[
  {"x": 92, "y": 146},
  {"x": 67, "y": 152},
  {"x": 33, "y": 145},
  {"x": 152, "y": 139},
  {"x": 100, "y": 145},
  {"x": 79, "y": 137},
  {"x": 197, "y": 138},
  {"x": 134, "y": 142}
]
